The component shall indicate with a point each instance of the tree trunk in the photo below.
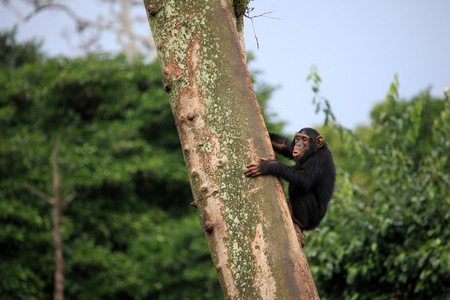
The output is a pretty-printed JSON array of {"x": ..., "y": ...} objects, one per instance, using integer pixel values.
[
  {"x": 246, "y": 221},
  {"x": 58, "y": 292}
]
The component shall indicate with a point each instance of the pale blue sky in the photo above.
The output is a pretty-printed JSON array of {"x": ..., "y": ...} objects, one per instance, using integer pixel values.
[{"x": 357, "y": 46}]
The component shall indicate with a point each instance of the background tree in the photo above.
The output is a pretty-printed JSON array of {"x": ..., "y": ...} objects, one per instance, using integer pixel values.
[
  {"x": 386, "y": 234},
  {"x": 58, "y": 203},
  {"x": 87, "y": 33}
]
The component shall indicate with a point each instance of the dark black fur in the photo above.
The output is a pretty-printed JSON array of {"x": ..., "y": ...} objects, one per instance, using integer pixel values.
[{"x": 311, "y": 179}]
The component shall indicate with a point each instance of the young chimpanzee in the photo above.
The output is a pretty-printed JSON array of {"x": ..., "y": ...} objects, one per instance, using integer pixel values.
[{"x": 311, "y": 180}]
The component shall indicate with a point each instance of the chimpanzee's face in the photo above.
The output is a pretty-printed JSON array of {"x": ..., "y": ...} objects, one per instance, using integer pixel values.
[{"x": 302, "y": 144}]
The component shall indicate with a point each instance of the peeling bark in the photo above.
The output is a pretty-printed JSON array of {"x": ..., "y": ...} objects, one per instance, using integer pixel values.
[{"x": 246, "y": 222}]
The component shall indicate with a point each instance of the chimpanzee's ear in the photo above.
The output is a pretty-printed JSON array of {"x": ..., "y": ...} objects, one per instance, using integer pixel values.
[{"x": 320, "y": 141}]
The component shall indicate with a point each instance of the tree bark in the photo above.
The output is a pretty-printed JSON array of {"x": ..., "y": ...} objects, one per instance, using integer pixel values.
[{"x": 247, "y": 223}]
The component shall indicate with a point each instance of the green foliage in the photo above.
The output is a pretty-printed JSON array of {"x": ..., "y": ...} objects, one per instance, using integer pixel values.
[
  {"x": 153, "y": 257},
  {"x": 321, "y": 103},
  {"x": 387, "y": 229},
  {"x": 15, "y": 55}
]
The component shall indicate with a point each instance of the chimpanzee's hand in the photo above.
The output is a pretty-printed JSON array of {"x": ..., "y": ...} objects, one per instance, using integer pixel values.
[{"x": 253, "y": 169}]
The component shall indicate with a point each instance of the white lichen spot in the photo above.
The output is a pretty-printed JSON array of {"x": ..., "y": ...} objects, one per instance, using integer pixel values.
[{"x": 235, "y": 246}]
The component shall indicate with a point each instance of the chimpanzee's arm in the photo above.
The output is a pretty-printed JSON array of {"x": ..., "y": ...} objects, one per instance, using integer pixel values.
[
  {"x": 281, "y": 144},
  {"x": 302, "y": 178}
]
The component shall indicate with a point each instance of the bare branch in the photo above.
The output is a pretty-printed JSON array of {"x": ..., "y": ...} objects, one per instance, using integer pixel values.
[
  {"x": 69, "y": 198},
  {"x": 261, "y": 15},
  {"x": 62, "y": 7},
  {"x": 13, "y": 9},
  {"x": 120, "y": 20},
  {"x": 253, "y": 25},
  {"x": 38, "y": 193}
]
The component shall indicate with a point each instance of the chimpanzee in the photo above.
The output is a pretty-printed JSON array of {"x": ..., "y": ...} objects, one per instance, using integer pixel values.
[{"x": 311, "y": 180}]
